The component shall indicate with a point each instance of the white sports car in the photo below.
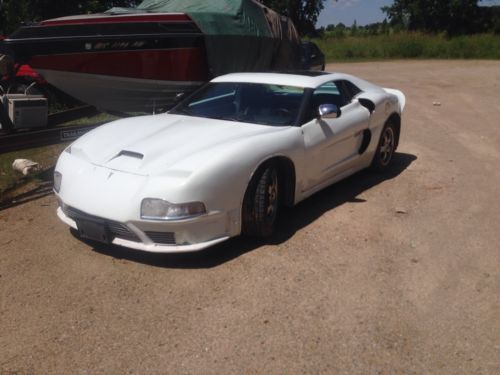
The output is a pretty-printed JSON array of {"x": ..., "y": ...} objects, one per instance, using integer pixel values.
[{"x": 224, "y": 160}]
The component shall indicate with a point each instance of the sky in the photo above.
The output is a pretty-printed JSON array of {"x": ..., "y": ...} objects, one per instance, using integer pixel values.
[
  {"x": 346, "y": 11},
  {"x": 363, "y": 11},
  {"x": 489, "y": 2}
]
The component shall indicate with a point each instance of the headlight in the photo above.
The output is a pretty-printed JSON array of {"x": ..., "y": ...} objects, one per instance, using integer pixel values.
[
  {"x": 57, "y": 181},
  {"x": 159, "y": 209}
]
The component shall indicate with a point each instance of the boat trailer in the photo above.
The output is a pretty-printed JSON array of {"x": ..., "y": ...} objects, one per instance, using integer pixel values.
[{"x": 54, "y": 132}]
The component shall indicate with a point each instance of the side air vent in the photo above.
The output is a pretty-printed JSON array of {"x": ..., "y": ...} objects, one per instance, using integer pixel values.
[
  {"x": 368, "y": 104},
  {"x": 367, "y": 137}
]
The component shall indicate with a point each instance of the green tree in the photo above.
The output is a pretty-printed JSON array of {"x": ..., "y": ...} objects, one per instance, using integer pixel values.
[
  {"x": 354, "y": 28},
  {"x": 452, "y": 16},
  {"x": 330, "y": 27},
  {"x": 384, "y": 27},
  {"x": 340, "y": 30},
  {"x": 304, "y": 13}
]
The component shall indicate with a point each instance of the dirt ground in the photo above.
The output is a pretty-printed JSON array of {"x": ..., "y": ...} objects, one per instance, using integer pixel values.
[{"x": 393, "y": 274}]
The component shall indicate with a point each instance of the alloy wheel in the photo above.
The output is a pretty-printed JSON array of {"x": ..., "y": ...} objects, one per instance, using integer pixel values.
[
  {"x": 272, "y": 196},
  {"x": 387, "y": 146}
]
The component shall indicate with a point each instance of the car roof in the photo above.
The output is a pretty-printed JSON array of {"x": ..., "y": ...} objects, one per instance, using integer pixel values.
[
  {"x": 308, "y": 73},
  {"x": 293, "y": 79}
]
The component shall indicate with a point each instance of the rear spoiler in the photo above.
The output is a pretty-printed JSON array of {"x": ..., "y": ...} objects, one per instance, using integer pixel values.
[{"x": 400, "y": 95}]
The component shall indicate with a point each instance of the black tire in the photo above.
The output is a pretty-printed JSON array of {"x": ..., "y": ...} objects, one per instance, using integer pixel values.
[
  {"x": 385, "y": 149},
  {"x": 261, "y": 203}
]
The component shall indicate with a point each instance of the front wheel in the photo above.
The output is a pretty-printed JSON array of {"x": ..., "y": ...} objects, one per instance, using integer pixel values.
[
  {"x": 385, "y": 150},
  {"x": 261, "y": 203}
]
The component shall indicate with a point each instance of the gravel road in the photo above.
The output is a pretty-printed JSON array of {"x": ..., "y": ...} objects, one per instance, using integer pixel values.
[{"x": 392, "y": 274}]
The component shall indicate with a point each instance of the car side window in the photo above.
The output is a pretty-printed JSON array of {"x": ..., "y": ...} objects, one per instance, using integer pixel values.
[
  {"x": 348, "y": 90},
  {"x": 328, "y": 93}
]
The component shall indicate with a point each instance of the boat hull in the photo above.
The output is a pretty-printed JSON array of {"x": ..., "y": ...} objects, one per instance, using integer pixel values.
[{"x": 119, "y": 94}]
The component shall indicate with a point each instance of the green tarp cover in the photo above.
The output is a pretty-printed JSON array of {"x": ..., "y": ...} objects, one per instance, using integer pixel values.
[
  {"x": 217, "y": 17},
  {"x": 240, "y": 35}
]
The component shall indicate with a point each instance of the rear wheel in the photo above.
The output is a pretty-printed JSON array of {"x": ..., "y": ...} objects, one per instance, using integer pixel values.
[
  {"x": 261, "y": 203},
  {"x": 385, "y": 150}
]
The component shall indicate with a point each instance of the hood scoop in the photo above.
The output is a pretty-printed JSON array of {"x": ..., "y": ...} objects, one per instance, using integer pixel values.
[
  {"x": 130, "y": 154},
  {"x": 126, "y": 161}
]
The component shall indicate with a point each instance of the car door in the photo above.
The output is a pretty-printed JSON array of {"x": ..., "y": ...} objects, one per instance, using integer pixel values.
[{"x": 332, "y": 144}]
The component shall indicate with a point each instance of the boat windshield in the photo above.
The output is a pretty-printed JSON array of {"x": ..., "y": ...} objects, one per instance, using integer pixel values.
[{"x": 255, "y": 103}]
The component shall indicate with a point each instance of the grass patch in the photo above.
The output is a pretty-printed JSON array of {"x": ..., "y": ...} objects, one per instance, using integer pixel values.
[
  {"x": 10, "y": 179},
  {"x": 101, "y": 118},
  {"x": 409, "y": 46}
]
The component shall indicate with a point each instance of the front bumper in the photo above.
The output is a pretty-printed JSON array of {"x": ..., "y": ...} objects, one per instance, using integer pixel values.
[{"x": 157, "y": 237}]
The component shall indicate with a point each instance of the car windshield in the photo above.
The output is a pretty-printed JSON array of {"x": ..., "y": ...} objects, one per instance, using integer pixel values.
[{"x": 256, "y": 103}]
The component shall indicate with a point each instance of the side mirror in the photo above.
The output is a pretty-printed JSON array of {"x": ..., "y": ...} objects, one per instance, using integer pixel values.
[{"x": 328, "y": 111}]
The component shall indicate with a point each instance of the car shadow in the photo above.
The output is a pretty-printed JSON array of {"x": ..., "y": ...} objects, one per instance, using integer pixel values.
[{"x": 292, "y": 220}]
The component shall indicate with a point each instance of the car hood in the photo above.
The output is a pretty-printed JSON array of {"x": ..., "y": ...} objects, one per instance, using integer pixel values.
[{"x": 151, "y": 145}]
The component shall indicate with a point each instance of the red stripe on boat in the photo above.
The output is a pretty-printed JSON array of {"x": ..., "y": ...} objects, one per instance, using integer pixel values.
[
  {"x": 186, "y": 64},
  {"x": 118, "y": 19}
]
